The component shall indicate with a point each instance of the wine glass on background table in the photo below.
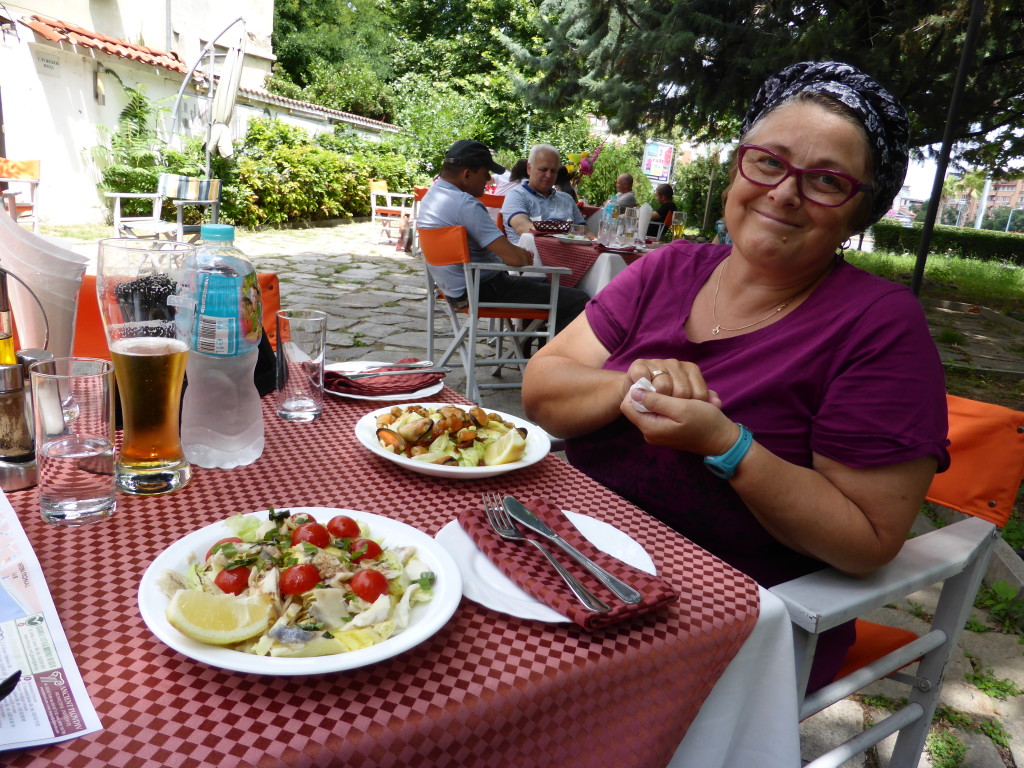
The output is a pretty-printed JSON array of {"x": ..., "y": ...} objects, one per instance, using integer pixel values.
[{"x": 149, "y": 328}]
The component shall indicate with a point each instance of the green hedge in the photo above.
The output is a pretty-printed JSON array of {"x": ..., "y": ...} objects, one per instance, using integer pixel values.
[{"x": 962, "y": 242}]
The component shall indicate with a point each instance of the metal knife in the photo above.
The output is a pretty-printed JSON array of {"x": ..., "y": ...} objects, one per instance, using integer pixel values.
[
  {"x": 622, "y": 590},
  {"x": 371, "y": 374}
]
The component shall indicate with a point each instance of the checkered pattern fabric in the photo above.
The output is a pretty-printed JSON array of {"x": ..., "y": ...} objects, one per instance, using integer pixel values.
[
  {"x": 486, "y": 690},
  {"x": 578, "y": 258}
]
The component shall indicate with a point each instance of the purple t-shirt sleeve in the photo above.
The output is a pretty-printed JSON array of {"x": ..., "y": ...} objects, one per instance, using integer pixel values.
[{"x": 852, "y": 374}]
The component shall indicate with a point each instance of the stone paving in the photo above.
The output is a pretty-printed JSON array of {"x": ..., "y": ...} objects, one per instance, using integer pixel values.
[{"x": 376, "y": 301}]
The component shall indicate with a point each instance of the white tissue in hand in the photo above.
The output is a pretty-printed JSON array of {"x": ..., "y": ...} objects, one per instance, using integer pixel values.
[{"x": 641, "y": 383}]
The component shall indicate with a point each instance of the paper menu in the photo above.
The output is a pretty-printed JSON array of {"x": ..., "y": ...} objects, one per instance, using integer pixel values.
[{"x": 50, "y": 703}]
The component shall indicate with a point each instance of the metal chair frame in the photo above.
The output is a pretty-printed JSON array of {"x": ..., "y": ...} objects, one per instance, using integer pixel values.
[{"x": 449, "y": 245}]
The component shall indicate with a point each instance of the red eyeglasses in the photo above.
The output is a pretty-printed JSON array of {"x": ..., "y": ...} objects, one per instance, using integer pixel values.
[{"x": 817, "y": 185}]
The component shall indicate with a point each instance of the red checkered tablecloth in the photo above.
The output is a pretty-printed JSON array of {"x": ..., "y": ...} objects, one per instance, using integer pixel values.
[
  {"x": 487, "y": 690},
  {"x": 577, "y": 257}
]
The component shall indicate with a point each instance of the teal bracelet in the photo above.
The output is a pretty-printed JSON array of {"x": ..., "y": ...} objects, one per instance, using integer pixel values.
[{"x": 724, "y": 465}]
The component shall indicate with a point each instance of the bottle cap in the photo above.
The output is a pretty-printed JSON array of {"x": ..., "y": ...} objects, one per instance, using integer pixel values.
[
  {"x": 12, "y": 378},
  {"x": 221, "y": 233}
]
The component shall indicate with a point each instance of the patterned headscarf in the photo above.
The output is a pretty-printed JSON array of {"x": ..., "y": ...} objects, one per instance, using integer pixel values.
[{"x": 883, "y": 118}]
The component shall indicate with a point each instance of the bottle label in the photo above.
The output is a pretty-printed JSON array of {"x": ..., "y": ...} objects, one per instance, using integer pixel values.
[{"x": 229, "y": 314}]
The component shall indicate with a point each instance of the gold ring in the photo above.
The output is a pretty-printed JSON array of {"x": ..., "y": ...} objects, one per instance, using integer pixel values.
[{"x": 656, "y": 373}]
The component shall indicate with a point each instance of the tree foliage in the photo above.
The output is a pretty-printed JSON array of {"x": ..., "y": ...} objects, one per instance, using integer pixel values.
[{"x": 695, "y": 64}]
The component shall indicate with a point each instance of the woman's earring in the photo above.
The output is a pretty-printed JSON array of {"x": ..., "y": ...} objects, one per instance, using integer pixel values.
[{"x": 841, "y": 250}]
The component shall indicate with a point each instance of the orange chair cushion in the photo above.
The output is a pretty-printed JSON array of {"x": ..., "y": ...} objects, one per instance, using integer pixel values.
[
  {"x": 873, "y": 642},
  {"x": 270, "y": 293},
  {"x": 19, "y": 169},
  {"x": 980, "y": 481},
  {"x": 444, "y": 246},
  {"x": 91, "y": 341}
]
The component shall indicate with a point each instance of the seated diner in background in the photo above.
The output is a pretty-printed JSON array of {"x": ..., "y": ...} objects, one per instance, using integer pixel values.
[
  {"x": 666, "y": 205},
  {"x": 796, "y": 411},
  {"x": 452, "y": 201},
  {"x": 512, "y": 177},
  {"x": 537, "y": 198},
  {"x": 624, "y": 196},
  {"x": 563, "y": 183}
]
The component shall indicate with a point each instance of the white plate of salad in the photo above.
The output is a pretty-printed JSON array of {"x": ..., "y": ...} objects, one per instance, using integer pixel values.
[
  {"x": 423, "y": 619},
  {"x": 464, "y": 462}
]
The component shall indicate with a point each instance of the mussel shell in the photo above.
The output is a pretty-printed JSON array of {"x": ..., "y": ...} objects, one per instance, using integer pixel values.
[
  {"x": 415, "y": 431},
  {"x": 479, "y": 416},
  {"x": 391, "y": 439}
]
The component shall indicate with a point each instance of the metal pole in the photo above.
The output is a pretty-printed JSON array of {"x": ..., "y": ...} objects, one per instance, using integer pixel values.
[
  {"x": 966, "y": 54},
  {"x": 1010, "y": 218}
]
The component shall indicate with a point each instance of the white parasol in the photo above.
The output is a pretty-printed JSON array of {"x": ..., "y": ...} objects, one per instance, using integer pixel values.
[{"x": 224, "y": 102}]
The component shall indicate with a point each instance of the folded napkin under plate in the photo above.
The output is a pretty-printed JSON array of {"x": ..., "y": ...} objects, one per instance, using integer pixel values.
[
  {"x": 526, "y": 566},
  {"x": 340, "y": 384}
]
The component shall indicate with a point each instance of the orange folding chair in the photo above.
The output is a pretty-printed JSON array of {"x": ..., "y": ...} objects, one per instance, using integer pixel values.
[
  {"x": 449, "y": 246},
  {"x": 986, "y": 445},
  {"x": 25, "y": 178}
]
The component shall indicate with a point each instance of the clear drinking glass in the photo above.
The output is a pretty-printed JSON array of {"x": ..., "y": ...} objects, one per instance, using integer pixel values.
[
  {"x": 301, "y": 340},
  {"x": 73, "y": 400},
  {"x": 149, "y": 328},
  {"x": 627, "y": 231}
]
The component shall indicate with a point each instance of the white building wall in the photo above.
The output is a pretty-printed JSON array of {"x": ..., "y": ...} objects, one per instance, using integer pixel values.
[{"x": 51, "y": 109}]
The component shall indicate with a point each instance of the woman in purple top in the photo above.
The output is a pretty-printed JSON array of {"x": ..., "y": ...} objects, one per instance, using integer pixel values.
[{"x": 798, "y": 407}]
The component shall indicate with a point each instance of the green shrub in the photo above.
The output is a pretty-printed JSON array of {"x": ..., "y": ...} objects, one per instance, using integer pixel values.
[{"x": 961, "y": 242}]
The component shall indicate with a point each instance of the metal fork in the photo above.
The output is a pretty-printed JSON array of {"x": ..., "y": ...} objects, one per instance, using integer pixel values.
[{"x": 506, "y": 528}]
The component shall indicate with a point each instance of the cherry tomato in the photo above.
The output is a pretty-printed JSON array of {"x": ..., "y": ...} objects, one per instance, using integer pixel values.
[
  {"x": 369, "y": 584},
  {"x": 343, "y": 527},
  {"x": 232, "y": 539},
  {"x": 314, "y": 533},
  {"x": 233, "y": 581},
  {"x": 364, "y": 549},
  {"x": 297, "y": 579}
]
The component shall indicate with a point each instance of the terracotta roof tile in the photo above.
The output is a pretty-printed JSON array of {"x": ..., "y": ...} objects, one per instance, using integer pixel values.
[{"x": 61, "y": 31}]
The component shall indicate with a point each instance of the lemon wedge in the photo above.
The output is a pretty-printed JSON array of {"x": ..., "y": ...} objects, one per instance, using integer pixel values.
[
  {"x": 508, "y": 448},
  {"x": 218, "y": 619}
]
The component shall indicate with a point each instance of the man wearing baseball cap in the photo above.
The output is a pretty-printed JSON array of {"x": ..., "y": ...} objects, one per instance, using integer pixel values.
[{"x": 452, "y": 201}]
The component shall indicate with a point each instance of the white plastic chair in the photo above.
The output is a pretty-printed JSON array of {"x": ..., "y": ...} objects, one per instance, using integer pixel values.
[
  {"x": 184, "y": 192},
  {"x": 389, "y": 209},
  {"x": 987, "y": 450}
]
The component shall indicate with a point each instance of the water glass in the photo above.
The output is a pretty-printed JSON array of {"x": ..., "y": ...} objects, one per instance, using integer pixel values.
[
  {"x": 301, "y": 340},
  {"x": 606, "y": 232},
  {"x": 148, "y": 322},
  {"x": 73, "y": 401},
  {"x": 627, "y": 231}
]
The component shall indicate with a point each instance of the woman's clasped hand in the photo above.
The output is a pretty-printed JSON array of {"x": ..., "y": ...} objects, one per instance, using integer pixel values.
[{"x": 765, "y": 398}]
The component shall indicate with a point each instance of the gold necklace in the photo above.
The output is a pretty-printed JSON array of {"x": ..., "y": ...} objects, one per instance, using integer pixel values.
[{"x": 718, "y": 328}]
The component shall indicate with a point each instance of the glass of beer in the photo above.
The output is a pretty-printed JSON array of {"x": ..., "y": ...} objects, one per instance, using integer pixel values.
[{"x": 148, "y": 326}]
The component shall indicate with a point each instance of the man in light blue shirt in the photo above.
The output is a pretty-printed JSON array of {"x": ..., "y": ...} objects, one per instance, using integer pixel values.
[
  {"x": 452, "y": 201},
  {"x": 537, "y": 198}
]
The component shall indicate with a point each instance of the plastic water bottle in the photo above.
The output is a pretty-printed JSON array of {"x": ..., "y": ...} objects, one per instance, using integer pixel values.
[
  {"x": 611, "y": 209},
  {"x": 221, "y": 416}
]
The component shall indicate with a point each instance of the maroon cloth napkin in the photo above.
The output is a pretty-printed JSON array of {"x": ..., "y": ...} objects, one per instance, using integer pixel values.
[
  {"x": 601, "y": 248},
  {"x": 526, "y": 566},
  {"x": 339, "y": 383}
]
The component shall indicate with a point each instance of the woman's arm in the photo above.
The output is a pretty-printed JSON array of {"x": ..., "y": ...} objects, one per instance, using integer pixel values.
[
  {"x": 566, "y": 391},
  {"x": 853, "y": 519}
]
